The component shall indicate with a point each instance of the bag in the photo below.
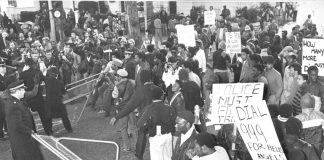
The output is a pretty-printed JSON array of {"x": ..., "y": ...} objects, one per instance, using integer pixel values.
[
  {"x": 308, "y": 150},
  {"x": 83, "y": 66}
]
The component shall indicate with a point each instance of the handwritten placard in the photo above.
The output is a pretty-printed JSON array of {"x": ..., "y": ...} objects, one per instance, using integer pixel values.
[
  {"x": 224, "y": 96},
  {"x": 233, "y": 43},
  {"x": 186, "y": 35},
  {"x": 313, "y": 54},
  {"x": 209, "y": 17},
  {"x": 256, "y": 128}
]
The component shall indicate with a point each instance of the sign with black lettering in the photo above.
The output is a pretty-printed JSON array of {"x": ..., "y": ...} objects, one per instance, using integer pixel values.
[
  {"x": 233, "y": 43},
  {"x": 256, "y": 128},
  {"x": 224, "y": 96},
  {"x": 313, "y": 55}
]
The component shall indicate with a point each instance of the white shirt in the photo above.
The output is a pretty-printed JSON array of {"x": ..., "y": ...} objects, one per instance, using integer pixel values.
[
  {"x": 220, "y": 153},
  {"x": 194, "y": 77},
  {"x": 186, "y": 136},
  {"x": 201, "y": 58}
]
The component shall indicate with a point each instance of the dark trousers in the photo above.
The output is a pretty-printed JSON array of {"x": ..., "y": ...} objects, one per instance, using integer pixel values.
[
  {"x": 141, "y": 143},
  {"x": 66, "y": 123},
  {"x": 2, "y": 124}
]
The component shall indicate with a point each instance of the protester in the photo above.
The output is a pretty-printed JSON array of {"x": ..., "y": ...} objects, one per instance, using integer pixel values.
[
  {"x": 159, "y": 119},
  {"x": 274, "y": 80}
]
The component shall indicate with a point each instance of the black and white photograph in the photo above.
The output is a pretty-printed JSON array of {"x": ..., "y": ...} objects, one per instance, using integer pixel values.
[{"x": 161, "y": 80}]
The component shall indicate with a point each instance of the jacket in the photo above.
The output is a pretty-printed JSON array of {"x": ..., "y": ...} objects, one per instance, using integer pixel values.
[
  {"x": 179, "y": 152},
  {"x": 19, "y": 123},
  {"x": 160, "y": 114},
  {"x": 141, "y": 98},
  {"x": 191, "y": 95},
  {"x": 177, "y": 102}
]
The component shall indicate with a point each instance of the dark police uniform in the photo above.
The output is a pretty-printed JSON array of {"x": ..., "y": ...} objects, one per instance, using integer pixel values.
[{"x": 23, "y": 146}]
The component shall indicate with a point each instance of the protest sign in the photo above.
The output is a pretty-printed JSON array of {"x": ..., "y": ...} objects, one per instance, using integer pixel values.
[
  {"x": 225, "y": 95},
  {"x": 256, "y": 27},
  {"x": 209, "y": 17},
  {"x": 256, "y": 128},
  {"x": 313, "y": 51},
  {"x": 233, "y": 43},
  {"x": 186, "y": 35}
]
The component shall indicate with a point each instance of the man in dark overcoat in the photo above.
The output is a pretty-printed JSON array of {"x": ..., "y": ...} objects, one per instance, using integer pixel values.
[
  {"x": 54, "y": 107},
  {"x": 23, "y": 146}
]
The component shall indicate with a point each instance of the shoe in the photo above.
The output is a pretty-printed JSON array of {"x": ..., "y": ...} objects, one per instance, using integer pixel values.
[
  {"x": 69, "y": 130},
  {"x": 126, "y": 149},
  {"x": 101, "y": 111}
]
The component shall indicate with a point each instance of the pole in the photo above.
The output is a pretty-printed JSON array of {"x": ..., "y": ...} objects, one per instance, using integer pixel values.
[{"x": 50, "y": 7}]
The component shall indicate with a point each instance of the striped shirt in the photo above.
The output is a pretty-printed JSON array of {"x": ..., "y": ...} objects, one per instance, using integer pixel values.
[{"x": 296, "y": 103}]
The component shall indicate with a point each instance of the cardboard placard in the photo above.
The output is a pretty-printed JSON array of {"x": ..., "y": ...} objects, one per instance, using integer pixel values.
[
  {"x": 313, "y": 54},
  {"x": 186, "y": 35},
  {"x": 233, "y": 43},
  {"x": 224, "y": 96},
  {"x": 209, "y": 17},
  {"x": 256, "y": 128}
]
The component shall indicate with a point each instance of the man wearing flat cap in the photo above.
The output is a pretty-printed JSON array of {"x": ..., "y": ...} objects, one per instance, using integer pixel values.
[
  {"x": 20, "y": 126},
  {"x": 186, "y": 128},
  {"x": 274, "y": 79},
  {"x": 123, "y": 91}
]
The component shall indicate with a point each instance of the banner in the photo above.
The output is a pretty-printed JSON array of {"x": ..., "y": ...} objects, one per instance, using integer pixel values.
[
  {"x": 256, "y": 128},
  {"x": 209, "y": 17},
  {"x": 256, "y": 27},
  {"x": 224, "y": 96},
  {"x": 233, "y": 43},
  {"x": 313, "y": 51},
  {"x": 186, "y": 35}
]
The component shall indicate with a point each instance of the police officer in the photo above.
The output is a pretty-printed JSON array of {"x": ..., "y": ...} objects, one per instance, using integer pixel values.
[
  {"x": 54, "y": 106},
  {"x": 4, "y": 81},
  {"x": 23, "y": 146}
]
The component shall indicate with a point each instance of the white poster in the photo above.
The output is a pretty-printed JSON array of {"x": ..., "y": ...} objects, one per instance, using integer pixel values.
[
  {"x": 224, "y": 96},
  {"x": 209, "y": 17},
  {"x": 186, "y": 35},
  {"x": 25, "y": 3},
  {"x": 255, "y": 125},
  {"x": 233, "y": 43},
  {"x": 313, "y": 54}
]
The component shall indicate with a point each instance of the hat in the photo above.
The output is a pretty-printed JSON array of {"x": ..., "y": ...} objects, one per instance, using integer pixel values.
[
  {"x": 129, "y": 51},
  {"x": 45, "y": 38},
  {"x": 123, "y": 39},
  {"x": 207, "y": 139},
  {"x": 122, "y": 72},
  {"x": 269, "y": 59},
  {"x": 187, "y": 115},
  {"x": 131, "y": 41},
  {"x": 117, "y": 62},
  {"x": 157, "y": 93},
  {"x": 222, "y": 45},
  {"x": 285, "y": 110},
  {"x": 293, "y": 126},
  {"x": 16, "y": 85},
  {"x": 247, "y": 28}
]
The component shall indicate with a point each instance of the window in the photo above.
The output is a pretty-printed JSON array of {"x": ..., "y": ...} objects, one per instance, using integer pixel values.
[{"x": 12, "y": 3}]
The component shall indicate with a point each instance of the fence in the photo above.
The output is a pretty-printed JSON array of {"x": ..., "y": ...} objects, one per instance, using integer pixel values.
[{"x": 55, "y": 146}]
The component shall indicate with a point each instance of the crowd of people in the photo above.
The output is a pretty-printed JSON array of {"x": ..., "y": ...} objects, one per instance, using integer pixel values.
[{"x": 159, "y": 89}]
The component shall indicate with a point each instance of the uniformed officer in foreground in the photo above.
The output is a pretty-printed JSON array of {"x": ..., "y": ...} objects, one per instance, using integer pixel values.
[{"x": 19, "y": 123}]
